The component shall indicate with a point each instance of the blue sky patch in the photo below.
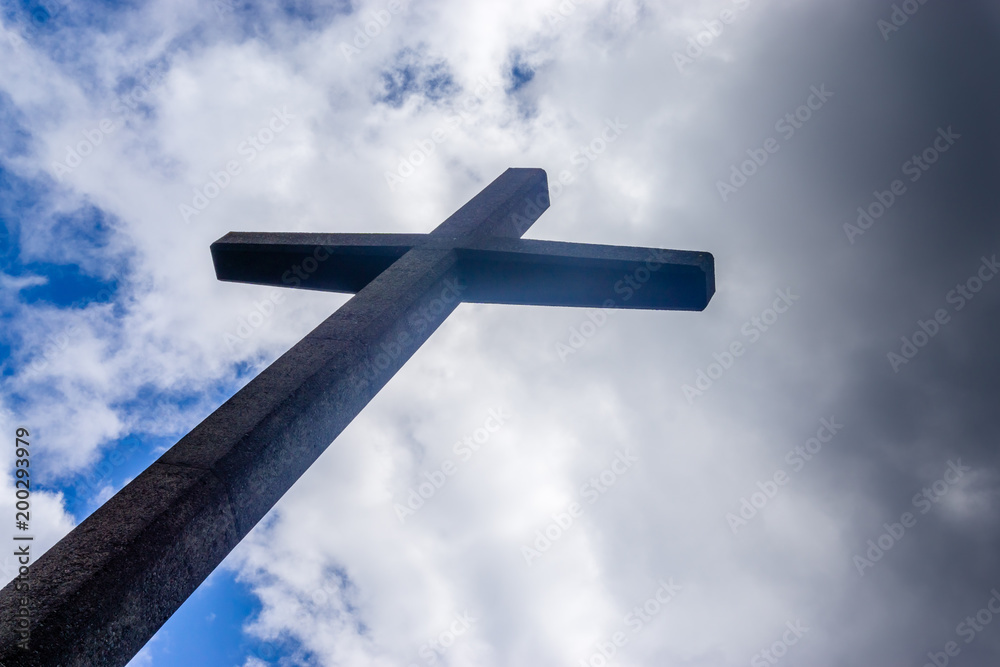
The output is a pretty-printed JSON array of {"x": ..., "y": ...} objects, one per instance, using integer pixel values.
[
  {"x": 76, "y": 237},
  {"x": 67, "y": 287},
  {"x": 412, "y": 74},
  {"x": 207, "y": 630},
  {"x": 520, "y": 74},
  {"x": 122, "y": 460},
  {"x": 15, "y": 139}
]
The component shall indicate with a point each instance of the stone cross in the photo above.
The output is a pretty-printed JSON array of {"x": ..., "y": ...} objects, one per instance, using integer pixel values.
[{"x": 101, "y": 592}]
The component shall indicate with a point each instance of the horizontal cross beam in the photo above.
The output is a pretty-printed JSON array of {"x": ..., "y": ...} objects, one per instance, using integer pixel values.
[
  {"x": 101, "y": 592},
  {"x": 493, "y": 269}
]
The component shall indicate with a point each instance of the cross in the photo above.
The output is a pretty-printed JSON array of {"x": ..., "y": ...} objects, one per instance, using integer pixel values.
[{"x": 101, "y": 592}]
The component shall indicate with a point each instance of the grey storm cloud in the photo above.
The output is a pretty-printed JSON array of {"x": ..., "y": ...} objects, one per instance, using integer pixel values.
[{"x": 805, "y": 473}]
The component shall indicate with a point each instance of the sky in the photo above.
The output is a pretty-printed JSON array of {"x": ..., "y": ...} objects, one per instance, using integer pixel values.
[{"x": 803, "y": 474}]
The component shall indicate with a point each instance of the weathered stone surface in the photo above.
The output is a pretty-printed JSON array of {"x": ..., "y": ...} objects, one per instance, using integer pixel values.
[
  {"x": 551, "y": 273},
  {"x": 327, "y": 262},
  {"x": 99, "y": 594}
]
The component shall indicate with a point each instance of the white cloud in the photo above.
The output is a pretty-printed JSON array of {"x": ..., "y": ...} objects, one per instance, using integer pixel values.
[{"x": 334, "y": 568}]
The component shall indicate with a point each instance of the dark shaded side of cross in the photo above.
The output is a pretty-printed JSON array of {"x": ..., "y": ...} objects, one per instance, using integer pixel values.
[{"x": 100, "y": 593}]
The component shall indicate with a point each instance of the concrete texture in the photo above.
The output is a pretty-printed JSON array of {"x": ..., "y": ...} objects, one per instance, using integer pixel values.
[{"x": 101, "y": 593}]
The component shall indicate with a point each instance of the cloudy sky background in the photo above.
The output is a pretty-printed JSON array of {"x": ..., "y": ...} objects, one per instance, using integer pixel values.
[{"x": 117, "y": 339}]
